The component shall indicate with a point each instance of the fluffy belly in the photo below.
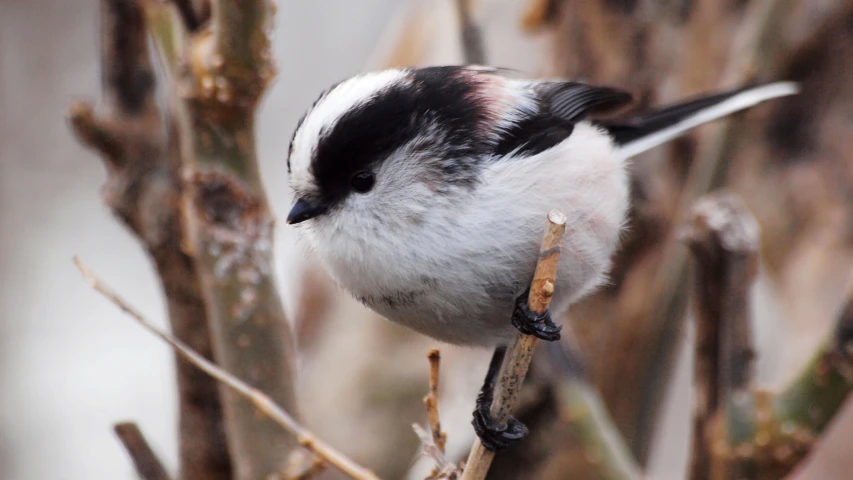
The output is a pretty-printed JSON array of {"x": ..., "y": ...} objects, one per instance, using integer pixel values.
[{"x": 434, "y": 313}]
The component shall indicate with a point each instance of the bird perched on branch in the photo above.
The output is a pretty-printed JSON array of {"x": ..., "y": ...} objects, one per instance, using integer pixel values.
[{"x": 423, "y": 193}]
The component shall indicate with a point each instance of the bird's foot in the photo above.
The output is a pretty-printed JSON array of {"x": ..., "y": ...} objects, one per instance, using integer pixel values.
[
  {"x": 531, "y": 323},
  {"x": 495, "y": 436}
]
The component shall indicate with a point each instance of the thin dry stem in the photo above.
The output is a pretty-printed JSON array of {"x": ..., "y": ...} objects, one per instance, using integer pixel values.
[
  {"x": 261, "y": 401},
  {"x": 431, "y": 400},
  {"x": 148, "y": 466},
  {"x": 444, "y": 469},
  {"x": 518, "y": 359}
]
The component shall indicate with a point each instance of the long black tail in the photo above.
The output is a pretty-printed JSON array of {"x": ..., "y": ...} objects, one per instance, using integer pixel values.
[{"x": 660, "y": 126}]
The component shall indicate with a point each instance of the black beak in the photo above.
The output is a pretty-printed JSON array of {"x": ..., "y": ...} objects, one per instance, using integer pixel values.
[{"x": 303, "y": 210}]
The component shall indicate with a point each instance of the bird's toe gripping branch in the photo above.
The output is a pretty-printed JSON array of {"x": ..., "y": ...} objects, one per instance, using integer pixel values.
[
  {"x": 529, "y": 322},
  {"x": 493, "y": 435}
]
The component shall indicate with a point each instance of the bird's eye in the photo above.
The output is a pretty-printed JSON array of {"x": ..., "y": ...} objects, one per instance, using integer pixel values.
[{"x": 362, "y": 182}]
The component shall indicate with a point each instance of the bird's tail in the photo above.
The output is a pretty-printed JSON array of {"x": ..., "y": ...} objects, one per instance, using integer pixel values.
[{"x": 638, "y": 135}]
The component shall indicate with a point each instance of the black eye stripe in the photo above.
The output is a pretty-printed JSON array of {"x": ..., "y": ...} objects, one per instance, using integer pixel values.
[{"x": 361, "y": 139}]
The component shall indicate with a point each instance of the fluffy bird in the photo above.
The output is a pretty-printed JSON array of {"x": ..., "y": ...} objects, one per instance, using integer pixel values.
[{"x": 424, "y": 193}]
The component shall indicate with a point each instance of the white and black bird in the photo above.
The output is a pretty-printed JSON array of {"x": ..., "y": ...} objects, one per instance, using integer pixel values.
[{"x": 423, "y": 193}]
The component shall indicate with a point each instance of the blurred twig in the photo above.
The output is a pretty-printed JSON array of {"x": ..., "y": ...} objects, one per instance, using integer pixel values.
[
  {"x": 148, "y": 466},
  {"x": 257, "y": 398},
  {"x": 143, "y": 189},
  {"x": 431, "y": 400},
  {"x": 433, "y": 442},
  {"x": 579, "y": 406},
  {"x": 473, "y": 48},
  {"x": 519, "y": 356}
]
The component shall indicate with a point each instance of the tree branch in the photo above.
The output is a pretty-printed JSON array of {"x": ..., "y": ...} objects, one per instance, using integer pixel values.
[
  {"x": 723, "y": 237},
  {"x": 229, "y": 224},
  {"x": 148, "y": 466},
  {"x": 518, "y": 358},
  {"x": 742, "y": 433},
  {"x": 431, "y": 401},
  {"x": 169, "y": 31},
  {"x": 143, "y": 190},
  {"x": 257, "y": 398},
  {"x": 666, "y": 306},
  {"x": 473, "y": 49}
]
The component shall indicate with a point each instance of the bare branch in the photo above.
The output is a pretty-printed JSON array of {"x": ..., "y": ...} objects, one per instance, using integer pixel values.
[
  {"x": 148, "y": 466},
  {"x": 666, "y": 300},
  {"x": 229, "y": 224},
  {"x": 95, "y": 133},
  {"x": 472, "y": 38},
  {"x": 723, "y": 236},
  {"x": 444, "y": 469},
  {"x": 169, "y": 32},
  {"x": 258, "y": 399},
  {"x": 143, "y": 190},
  {"x": 431, "y": 400},
  {"x": 127, "y": 75},
  {"x": 518, "y": 359}
]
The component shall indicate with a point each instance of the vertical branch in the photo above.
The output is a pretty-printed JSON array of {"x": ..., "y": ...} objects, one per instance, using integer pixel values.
[
  {"x": 519, "y": 356},
  {"x": 756, "y": 434},
  {"x": 431, "y": 401},
  {"x": 473, "y": 49},
  {"x": 665, "y": 304},
  {"x": 229, "y": 225},
  {"x": 723, "y": 236},
  {"x": 143, "y": 190}
]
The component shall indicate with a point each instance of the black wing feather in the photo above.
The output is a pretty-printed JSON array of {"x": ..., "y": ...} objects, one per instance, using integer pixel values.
[
  {"x": 561, "y": 105},
  {"x": 627, "y": 131},
  {"x": 575, "y": 101}
]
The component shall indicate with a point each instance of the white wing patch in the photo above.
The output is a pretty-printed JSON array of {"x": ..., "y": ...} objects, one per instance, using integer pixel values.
[{"x": 344, "y": 97}]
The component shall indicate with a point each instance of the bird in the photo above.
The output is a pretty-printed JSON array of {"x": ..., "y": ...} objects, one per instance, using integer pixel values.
[{"x": 423, "y": 193}]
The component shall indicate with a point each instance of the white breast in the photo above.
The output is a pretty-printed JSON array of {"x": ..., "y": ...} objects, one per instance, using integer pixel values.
[{"x": 452, "y": 270}]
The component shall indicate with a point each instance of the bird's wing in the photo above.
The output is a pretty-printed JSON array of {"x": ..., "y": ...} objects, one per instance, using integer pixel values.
[{"x": 575, "y": 101}]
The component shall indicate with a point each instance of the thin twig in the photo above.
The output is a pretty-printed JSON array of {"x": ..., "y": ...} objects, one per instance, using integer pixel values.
[
  {"x": 518, "y": 359},
  {"x": 431, "y": 400},
  {"x": 148, "y": 466},
  {"x": 260, "y": 400},
  {"x": 444, "y": 469},
  {"x": 472, "y": 38}
]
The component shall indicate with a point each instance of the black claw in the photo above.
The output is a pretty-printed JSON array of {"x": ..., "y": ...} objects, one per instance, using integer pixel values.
[
  {"x": 496, "y": 436},
  {"x": 529, "y": 322}
]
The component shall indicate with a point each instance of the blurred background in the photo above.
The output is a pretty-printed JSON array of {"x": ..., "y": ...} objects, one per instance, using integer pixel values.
[{"x": 71, "y": 366}]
